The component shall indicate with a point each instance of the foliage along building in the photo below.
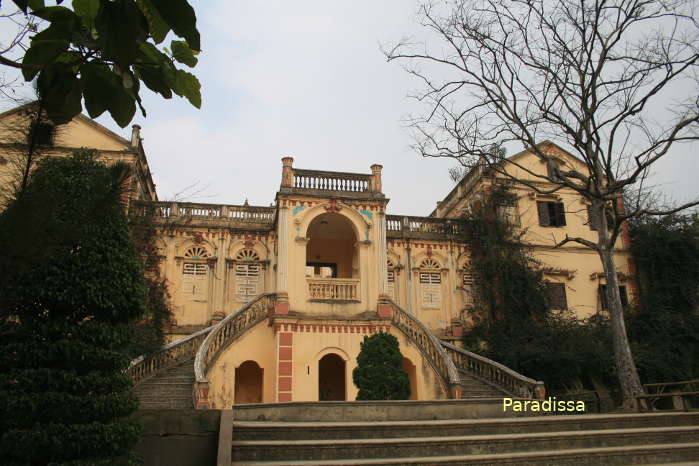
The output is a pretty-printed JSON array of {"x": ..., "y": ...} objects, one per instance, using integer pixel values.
[{"x": 273, "y": 302}]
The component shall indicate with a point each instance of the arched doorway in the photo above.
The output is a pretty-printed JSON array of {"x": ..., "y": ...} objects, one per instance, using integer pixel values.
[
  {"x": 248, "y": 383},
  {"x": 409, "y": 368},
  {"x": 331, "y": 378},
  {"x": 331, "y": 251}
]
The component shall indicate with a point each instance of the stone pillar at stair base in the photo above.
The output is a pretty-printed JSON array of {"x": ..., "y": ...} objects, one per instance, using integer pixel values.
[{"x": 201, "y": 393}]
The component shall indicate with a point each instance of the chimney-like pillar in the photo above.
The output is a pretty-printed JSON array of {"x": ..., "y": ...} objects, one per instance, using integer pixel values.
[
  {"x": 376, "y": 178},
  {"x": 287, "y": 172},
  {"x": 135, "y": 135}
]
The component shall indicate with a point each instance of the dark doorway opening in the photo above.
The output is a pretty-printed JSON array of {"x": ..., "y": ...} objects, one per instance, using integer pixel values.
[{"x": 331, "y": 378}]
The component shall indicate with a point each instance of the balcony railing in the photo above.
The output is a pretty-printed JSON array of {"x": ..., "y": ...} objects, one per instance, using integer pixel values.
[
  {"x": 397, "y": 225},
  {"x": 333, "y": 289},
  {"x": 227, "y": 215},
  {"x": 331, "y": 181}
]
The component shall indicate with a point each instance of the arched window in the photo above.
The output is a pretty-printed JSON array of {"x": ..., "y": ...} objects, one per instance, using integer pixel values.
[
  {"x": 247, "y": 275},
  {"x": 430, "y": 284},
  {"x": 195, "y": 273},
  {"x": 197, "y": 252}
]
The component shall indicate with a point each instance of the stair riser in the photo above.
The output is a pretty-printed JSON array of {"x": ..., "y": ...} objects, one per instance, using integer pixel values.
[
  {"x": 359, "y": 450},
  {"x": 624, "y": 458},
  {"x": 425, "y": 430}
]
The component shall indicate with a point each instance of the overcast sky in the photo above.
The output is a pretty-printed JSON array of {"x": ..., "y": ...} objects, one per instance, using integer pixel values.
[{"x": 305, "y": 79}]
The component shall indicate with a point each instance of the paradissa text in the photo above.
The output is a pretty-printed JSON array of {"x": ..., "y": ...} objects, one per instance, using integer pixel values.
[{"x": 549, "y": 405}]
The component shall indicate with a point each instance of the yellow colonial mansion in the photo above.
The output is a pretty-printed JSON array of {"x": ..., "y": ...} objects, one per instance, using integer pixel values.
[{"x": 270, "y": 303}]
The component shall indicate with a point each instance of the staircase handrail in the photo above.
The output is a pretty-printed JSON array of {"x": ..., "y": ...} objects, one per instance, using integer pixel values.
[
  {"x": 228, "y": 330},
  {"x": 498, "y": 374},
  {"x": 429, "y": 345},
  {"x": 169, "y": 355}
]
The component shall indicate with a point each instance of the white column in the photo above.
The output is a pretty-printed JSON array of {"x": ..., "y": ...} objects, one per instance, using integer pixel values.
[
  {"x": 383, "y": 254},
  {"x": 283, "y": 251}
]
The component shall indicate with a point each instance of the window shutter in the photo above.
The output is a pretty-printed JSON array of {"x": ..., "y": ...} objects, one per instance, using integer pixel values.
[
  {"x": 544, "y": 219},
  {"x": 556, "y": 296},
  {"x": 624, "y": 297},
  {"x": 560, "y": 214}
]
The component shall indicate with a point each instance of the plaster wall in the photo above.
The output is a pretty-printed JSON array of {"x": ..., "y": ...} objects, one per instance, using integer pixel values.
[
  {"x": 310, "y": 347},
  {"x": 257, "y": 344}
]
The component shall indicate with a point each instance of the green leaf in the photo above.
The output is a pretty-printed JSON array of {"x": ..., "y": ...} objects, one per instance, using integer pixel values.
[
  {"x": 22, "y": 5},
  {"x": 187, "y": 85},
  {"x": 156, "y": 25},
  {"x": 55, "y": 13},
  {"x": 153, "y": 78},
  {"x": 98, "y": 85},
  {"x": 182, "y": 53},
  {"x": 122, "y": 106},
  {"x": 41, "y": 54},
  {"x": 61, "y": 93},
  {"x": 36, "y": 4},
  {"x": 121, "y": 28},
  {"x": 87, "y": 10},
  {"x": 180, "y": 16}
]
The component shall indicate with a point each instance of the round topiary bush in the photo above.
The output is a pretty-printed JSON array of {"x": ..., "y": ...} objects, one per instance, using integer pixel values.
[{"x": 379, "y": 374}]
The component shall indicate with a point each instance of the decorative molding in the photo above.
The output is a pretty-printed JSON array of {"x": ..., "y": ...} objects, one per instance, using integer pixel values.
[{"x": 567, "y": 273}]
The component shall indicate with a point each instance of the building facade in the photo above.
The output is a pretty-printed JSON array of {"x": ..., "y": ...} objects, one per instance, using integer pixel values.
[{"x": 273, "y": 302}]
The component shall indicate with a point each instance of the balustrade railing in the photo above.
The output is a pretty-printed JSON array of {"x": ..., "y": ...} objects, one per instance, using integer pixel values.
[
  {"x": 501, "y": 376},
  {"x": 236, "y": 213},
  {"x": 223, "y": 334},
  {"x": 334, "y": 289},
  {"x": 430, "y": 347},
  {"x": 170, "y": 355},
  {"x": 331, "y": 181},
  {"x": 441, "y": 226}
]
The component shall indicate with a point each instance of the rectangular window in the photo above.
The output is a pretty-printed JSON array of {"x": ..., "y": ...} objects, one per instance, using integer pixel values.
[
  {"x": 247, "y": 278},
  {"x": 321, "y": 270},
  {"x": 603, "y": 297},
  {"x": 431, "y": 289},
  {"x": 556, "y": 296},
  {"x": 468, "y": 288},
  {"x": 507, "y": 212},
  {"x": 195, "y": 277},
  {"x": 392, "y": 284},
  {"x": 551, "y": 214}
]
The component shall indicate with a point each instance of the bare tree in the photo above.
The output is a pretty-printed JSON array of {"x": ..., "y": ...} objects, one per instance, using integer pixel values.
[{"x": 597, "y": 76}]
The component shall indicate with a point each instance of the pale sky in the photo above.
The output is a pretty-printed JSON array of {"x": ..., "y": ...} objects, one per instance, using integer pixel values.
[{"x": 305, "y": 79}]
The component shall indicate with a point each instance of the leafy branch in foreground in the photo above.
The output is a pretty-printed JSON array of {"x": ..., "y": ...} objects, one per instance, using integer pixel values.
[{"x": 101, "y": 51}]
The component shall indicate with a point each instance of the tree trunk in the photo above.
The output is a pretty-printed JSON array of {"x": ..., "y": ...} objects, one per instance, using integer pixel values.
[{"x": 627, "y": 374}]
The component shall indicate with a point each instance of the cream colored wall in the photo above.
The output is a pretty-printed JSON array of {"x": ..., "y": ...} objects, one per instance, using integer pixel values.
[
  {"x": 81, "y": 133},
  {"x": 309, "y": 348},
  {"x": 220, "y": 292},
  {"x": 257, "y": 344}
]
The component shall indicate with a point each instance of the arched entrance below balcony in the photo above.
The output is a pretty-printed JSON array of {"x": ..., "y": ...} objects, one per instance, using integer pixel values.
[
  {"x": 331, "y": 378},
  {"x": 332, "y": 259},
  {"x": 248, "y": 383},
  {"x": 409, "y": 368}
]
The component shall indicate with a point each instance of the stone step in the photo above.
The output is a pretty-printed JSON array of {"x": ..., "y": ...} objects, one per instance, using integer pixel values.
[
  {"x": 311, "y": 450},
  {"x": 265, "y": 430},
  {"x": 169, "y": 389},
  {"x": 643, "y": 454}
]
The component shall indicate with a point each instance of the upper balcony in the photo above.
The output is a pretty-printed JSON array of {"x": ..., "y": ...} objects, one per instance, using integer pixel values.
[
  {"x": 407, "y": 227},
  {"x": 241, "y": 217},
  {"x": 326, "y": 183}
]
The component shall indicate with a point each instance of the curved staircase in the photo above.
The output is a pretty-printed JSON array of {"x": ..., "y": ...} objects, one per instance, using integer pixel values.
[{"x": 169, "y": 389}]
